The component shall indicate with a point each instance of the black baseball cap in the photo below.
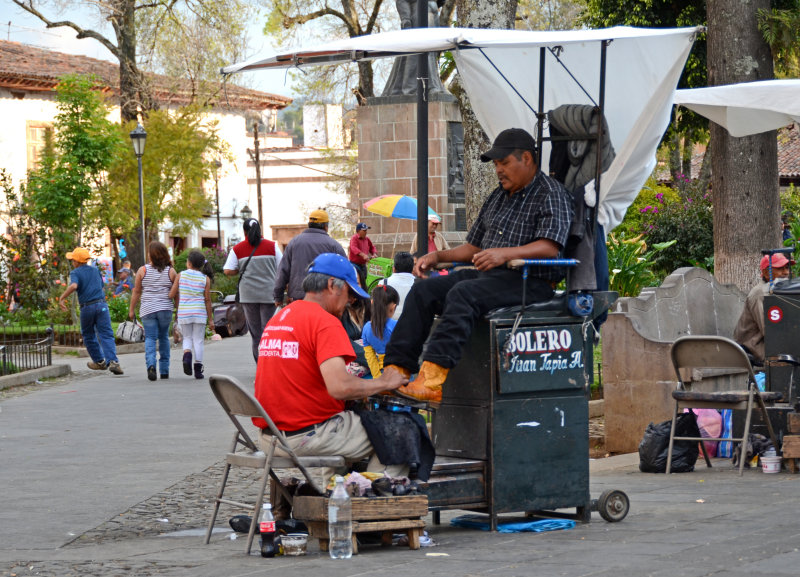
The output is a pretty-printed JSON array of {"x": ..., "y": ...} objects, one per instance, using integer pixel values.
[{"x": 508, "y": 141}]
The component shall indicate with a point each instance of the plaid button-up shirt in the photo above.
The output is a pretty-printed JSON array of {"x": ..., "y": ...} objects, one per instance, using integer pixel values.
[{"x": 541, "y": 210}]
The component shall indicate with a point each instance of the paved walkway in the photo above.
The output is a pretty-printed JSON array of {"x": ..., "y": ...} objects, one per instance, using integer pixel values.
[{"x": 105, "y": 475}]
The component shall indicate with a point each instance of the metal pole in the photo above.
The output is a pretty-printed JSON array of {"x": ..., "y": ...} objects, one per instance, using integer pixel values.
[
  {"x": 141, "y": 211},
  {"x": 540, "y": 115},
  {"x": 422, "y": 137},
  {"x": 216, "y": 191},
  {"x": 258, "y": 175}
]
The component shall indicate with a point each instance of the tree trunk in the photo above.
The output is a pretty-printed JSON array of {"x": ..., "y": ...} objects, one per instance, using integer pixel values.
[
  {"x": 134, "y": 91},
  {"x": 688, "y": 153},
  {"x": 675, "y": 157},
  {"x": 744, "y": 170},
  {"x": 704, "y": 176},
  {"x": 479, "y": 177},
  {"x": 366, "y": 85}
]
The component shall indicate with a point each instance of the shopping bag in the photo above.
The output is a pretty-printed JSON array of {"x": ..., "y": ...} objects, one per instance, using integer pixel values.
[{"x": 130, "y": 332}]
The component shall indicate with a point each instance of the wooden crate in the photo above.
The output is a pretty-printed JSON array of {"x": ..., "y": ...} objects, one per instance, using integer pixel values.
[
  {"x": 793, "y": 422},
  {"x": 791, "y": 449},
  {"x": 386, "y": 515},
  {"x": 791, "y": 446}
]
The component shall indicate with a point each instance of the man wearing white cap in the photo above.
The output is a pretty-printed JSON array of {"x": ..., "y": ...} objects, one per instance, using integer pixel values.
[
  {"x": 749, "y": 331},
  {"x": 436, "y": 240}
]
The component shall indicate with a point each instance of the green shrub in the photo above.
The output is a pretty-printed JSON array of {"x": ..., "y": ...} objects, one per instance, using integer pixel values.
[
  {"x": 650, "y": 198},
  {"x": 688, "y": 220},
  {"x": 630, "y": 264},
  {"x": 8, "y": 368},
  {"x": 225, "y": 284},
  {"x": 217, "y": 257},
  {"x": 118, "y": 306}
]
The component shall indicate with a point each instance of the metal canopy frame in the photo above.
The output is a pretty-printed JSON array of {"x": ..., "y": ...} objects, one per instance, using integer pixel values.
[
  {"x": 422, "y": 126},
  {"x": 336, "y": 57}
]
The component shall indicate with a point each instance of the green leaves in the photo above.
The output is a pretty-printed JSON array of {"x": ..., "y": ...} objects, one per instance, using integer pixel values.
[
  {"x": 178, "y": 160},
  {"x": 75, "y": 156},
  {"x": 630, "y": 263}
]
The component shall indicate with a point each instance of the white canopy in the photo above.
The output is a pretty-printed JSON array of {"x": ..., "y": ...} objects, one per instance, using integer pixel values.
[
  {"x": 747, "y": 108},
  {"x": 500, "y": 71}
]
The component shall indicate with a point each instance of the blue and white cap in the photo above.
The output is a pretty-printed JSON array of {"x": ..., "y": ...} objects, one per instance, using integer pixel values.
[{"x": 337, "y": 266}]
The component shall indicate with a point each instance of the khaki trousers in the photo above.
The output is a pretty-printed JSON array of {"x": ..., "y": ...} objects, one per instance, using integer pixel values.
[{"x": 343, "y": 434}]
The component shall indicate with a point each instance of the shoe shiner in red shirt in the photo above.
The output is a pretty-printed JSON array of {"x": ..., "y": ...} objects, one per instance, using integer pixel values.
[{"x": 301, "y": 379}]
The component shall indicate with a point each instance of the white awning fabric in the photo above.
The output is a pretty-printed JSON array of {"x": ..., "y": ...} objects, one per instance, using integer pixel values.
[
  {"x": 500, "y": 71},
  {"x": 746, "y": 108}
]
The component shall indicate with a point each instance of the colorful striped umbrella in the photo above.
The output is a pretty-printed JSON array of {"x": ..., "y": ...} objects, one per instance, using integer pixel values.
[{"x": 396, "y": 206}]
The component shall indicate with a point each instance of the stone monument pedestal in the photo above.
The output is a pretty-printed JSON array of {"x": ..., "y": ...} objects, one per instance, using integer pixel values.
[{"x": 387, "y": 164}]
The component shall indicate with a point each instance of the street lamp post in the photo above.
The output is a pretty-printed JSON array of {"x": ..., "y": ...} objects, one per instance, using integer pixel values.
[
  {"x": 246, "y": 212},
  {"x": 138, "y": 136},
  {"x": 217, "y": 165}
]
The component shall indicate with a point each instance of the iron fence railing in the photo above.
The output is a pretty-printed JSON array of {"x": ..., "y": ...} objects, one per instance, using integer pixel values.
[{"x": 25, "y": 351}]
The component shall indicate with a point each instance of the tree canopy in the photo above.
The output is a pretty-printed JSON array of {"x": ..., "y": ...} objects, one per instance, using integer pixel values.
[{"x": 189, "y": 39}]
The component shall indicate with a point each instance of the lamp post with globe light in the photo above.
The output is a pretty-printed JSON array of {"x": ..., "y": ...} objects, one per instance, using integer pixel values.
[
  {"x": 138, "y": 137},
  {"x": 217, "y": 166}
]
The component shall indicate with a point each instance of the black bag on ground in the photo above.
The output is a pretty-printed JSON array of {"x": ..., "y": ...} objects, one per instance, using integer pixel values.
[
  {"x": 654, "y": 445},
  {"x": 229, "y": 320}
]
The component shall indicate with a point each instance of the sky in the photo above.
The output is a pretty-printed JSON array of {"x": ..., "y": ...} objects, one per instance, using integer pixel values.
[{"x": 19, "y": 26}]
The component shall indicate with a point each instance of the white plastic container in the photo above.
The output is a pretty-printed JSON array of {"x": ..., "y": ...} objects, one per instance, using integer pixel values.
[
  {"x": 294, "y": 544},
  {"x": 771, "y": 464}
]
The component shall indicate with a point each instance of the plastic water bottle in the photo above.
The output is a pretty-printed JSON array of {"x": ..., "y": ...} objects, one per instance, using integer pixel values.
[
  {"x": 266, "y": 526},
  {"x": 340, "y": 522}
]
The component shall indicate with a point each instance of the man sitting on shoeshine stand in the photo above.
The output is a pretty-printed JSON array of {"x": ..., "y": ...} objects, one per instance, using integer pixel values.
[{"x": 528, "y": 216}]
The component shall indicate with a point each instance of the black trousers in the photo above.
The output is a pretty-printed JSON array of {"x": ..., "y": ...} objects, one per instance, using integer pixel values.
[{"x": 460, "y": 298}]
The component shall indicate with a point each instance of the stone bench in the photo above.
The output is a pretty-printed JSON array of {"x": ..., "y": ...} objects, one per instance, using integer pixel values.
[{"x": 638, "y": 378}]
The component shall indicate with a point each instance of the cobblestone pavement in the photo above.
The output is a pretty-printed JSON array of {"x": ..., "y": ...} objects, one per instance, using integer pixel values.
[
  {"x": 177, "y": 508},
  {"x": 121, "y": 568}
]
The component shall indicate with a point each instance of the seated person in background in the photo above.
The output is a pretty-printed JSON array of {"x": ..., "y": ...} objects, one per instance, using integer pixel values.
[
  {"x": 355, "y": 314},
  {"x": 436, "y": 240},
  {"x": 301, "y": 379},
  {"x": 749, "y": 331},
  {"x": 401, "y": 279},
  {"x": 125, "y": 282},
  {"x": 527, "y": 216},
  {"x": 379, "y": 329}
]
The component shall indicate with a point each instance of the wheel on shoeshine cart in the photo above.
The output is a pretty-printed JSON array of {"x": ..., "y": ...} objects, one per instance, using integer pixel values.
[{"x": 613, "y": 505}]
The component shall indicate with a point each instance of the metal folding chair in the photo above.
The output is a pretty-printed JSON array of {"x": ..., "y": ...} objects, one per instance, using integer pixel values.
[
  {"x": 241, "y": 406},
  {"x": 690, "y": 353}
]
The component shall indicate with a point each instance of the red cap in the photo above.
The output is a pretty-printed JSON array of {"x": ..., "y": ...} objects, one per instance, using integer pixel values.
[{"x": 779, "y": 260}]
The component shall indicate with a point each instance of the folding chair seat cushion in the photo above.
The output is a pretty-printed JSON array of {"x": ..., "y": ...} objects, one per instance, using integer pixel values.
[{"x": 723, "y": 397}]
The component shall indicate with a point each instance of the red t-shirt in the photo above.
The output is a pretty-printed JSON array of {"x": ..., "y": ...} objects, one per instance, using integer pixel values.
[{"x": 289, "y": 384}]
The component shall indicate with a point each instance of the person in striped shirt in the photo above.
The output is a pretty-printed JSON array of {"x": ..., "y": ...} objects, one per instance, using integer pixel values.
[{"x": 194, "y": 309}]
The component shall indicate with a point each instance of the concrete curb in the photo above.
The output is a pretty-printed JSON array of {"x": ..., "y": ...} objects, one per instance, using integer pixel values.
[
  {"x": 121, "y": 350},
  {"x": 596, "y": 408},
  {"x": 33, "y": 375}
]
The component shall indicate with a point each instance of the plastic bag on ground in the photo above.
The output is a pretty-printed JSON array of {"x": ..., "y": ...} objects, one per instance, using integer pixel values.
[
  {"x": 709, "y": 421},
  {"x": 654, "y": 445}
]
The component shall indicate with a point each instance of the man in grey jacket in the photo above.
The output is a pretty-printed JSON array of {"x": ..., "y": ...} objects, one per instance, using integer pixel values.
[{"x": 299, "y": 253}]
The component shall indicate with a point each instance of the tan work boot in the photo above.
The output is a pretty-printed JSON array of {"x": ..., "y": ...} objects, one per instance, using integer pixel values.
[
  {"x": 428, "y": 384},
  {"x": 405, "y": 372},
  {"x": 398, "y": 369}
]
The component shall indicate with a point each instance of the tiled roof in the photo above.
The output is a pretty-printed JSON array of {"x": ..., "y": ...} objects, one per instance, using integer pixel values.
[
  {"x": 29, "y": 68},
  {"x": 788, "y": 158},
  {"x": 789, "y": 152}
]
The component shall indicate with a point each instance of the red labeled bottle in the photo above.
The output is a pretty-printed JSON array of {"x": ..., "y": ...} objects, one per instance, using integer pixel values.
[{"x": 266, "y": 526}]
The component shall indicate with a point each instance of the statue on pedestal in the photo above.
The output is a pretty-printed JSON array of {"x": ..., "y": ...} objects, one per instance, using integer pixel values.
[{"x": 403, "y": 78}]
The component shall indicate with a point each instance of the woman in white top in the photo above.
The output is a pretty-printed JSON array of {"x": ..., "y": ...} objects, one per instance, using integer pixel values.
[{"x": 152, "y": 286}]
